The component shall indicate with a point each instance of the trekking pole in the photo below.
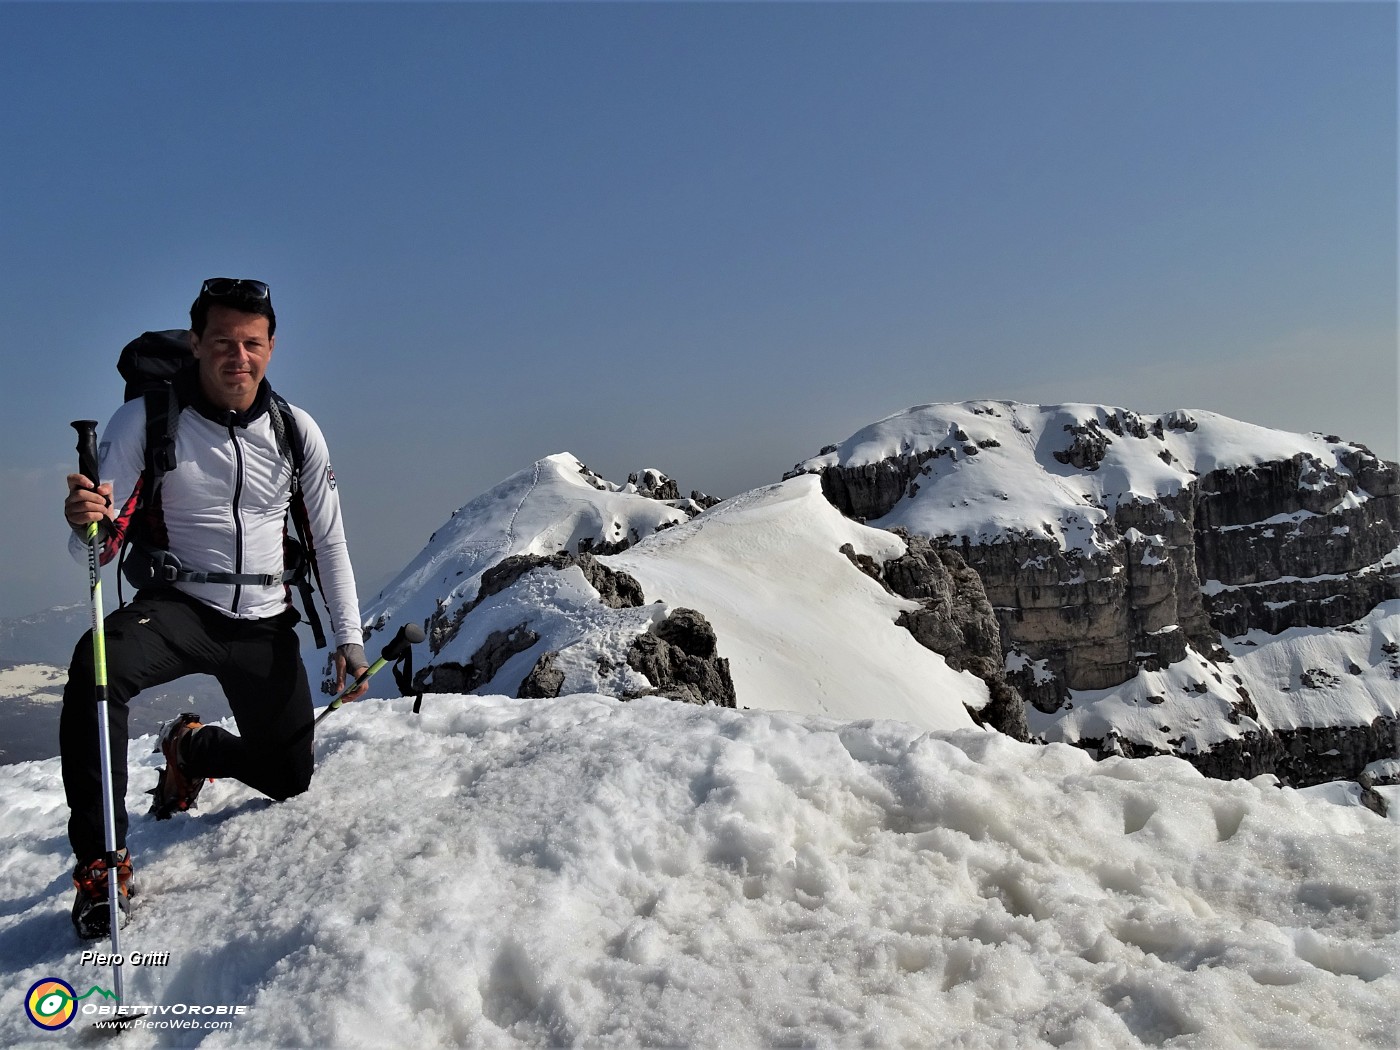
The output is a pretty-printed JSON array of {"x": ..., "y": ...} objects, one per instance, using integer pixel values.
[
  {"x": 88, "y": 467},
  {"x": 409, "y": 634}
]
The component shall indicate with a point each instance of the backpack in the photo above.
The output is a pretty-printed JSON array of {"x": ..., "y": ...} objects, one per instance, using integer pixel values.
[{"x": 151, "y": 363}]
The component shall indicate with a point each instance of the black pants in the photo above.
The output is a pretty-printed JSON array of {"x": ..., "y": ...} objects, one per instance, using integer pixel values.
[{"x": 164, "y": 635}]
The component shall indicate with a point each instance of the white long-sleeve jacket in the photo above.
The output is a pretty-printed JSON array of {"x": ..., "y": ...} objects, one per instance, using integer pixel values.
[{"x": 224, "y": 505}]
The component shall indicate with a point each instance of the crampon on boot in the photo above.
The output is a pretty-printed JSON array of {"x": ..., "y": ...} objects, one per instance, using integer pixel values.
[
  {"x": 92, "y": 907},
  {"x": 174, "y": 791}
]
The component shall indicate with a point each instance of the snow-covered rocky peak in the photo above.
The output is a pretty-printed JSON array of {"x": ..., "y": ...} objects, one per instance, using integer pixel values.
[
  {"x": 986, "y": 469},
  {"x": 557, "y": 504},
  {"x": 1130, "y": 557}
]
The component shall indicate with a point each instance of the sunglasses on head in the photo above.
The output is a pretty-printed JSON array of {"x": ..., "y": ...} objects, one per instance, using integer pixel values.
[{"x": 234, "y": 288}]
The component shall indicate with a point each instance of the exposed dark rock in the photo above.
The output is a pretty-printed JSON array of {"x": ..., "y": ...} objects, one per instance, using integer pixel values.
[
  {"x": 443, "y": 626},
  {"x": 543, "y": 681},
  {"x": 594, "y": 478},
  {"x": 617, "y": 589},
  {"x": 954, "y": 619},
  {"x": 1287, "y": 543},
  {"x": 1038, "y": 686},
  {"x": 500, "y": 646},
  {"x": 1298, "y": 757},
  {"x": 654, "y": 485},
  {"x": 871, "y": 491},
  {"x": 679, "y": 656},
  {"x": 588, "y": 545},
  {"x": 1177, "y": 420},
  {"x": 1089, "y": 447},
  {"x": 864, "y": 562}
]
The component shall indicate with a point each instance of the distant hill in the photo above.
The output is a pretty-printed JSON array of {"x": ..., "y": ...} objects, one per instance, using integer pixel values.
[
  {"x": 31, "y": 698},
  {"x": 36, "y": 649},
  {"x": 45, "y": 637}
]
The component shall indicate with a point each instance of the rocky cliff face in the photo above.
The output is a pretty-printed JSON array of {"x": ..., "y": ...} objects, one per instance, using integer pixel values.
[
  {"x": 1096, "y": 617},
  {"x": 1298, "y": 542},
  {"x": 954, "y": 619},
  {"x": 1152, "y": 536}
]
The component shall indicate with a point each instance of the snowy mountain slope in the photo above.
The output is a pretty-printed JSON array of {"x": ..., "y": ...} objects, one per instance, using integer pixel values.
[
  {"x": 581, "y": 871},
  {"x": 1307, "y": 678},
  {"x": 803, "y": 630}
]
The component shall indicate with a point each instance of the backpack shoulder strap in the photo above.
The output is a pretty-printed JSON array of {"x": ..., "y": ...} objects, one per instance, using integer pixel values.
[
  {"x": 292, "y": 448},
  {"x": 289, "y": 440},
  {"x": 162, "y": 420}
]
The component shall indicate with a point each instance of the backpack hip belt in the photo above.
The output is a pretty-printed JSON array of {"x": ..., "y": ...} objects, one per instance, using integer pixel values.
[{"x": 158, "y": 567}]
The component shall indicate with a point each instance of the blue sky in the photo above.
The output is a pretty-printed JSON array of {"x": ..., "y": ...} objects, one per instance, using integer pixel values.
[{"x": 708, "y": 238}]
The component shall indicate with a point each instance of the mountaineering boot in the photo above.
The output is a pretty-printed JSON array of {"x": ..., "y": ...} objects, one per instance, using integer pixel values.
[
  {"x": 92, "y": 907},
  {"x": 175, "y": 792}
]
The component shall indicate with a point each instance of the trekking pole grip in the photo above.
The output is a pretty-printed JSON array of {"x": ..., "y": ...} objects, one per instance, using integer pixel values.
[
  {"x": 408, "y": 635},
  {"x": 87, "y": 449}
]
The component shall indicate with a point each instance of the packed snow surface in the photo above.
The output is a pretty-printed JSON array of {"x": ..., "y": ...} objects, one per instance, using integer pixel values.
[{"x": 582, "y": 871}]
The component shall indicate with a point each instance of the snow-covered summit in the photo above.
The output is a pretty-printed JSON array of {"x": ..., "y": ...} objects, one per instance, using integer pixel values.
[
  {"x": 802, "y": 628},
  {"x": 1115, "y": 555},
  {"x": 555, "y": 504}
]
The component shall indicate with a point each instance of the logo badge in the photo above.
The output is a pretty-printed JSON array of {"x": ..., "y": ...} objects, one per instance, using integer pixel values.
[
  {"x": 330, "y": 476},
  {"x": 51, "y": 1004}
]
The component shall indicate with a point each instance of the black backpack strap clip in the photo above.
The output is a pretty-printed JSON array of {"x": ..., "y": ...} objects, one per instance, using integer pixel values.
[{"x": 162, "y": 420}]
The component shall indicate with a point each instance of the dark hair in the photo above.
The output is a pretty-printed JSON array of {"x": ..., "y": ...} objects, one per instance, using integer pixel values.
[{"x": 199, "y": 310}]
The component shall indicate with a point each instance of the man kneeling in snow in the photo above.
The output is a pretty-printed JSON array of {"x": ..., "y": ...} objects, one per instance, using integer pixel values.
[{"x": 216, "y": 520}]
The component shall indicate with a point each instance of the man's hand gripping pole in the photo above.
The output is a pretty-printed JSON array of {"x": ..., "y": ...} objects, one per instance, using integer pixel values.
[{"x": 409, "y": 634}]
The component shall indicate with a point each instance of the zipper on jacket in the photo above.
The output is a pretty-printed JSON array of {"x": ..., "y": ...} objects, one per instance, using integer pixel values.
[{"x": 237, "y": 518}]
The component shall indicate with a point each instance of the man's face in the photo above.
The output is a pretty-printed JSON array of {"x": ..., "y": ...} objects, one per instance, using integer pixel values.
[{"x": 233, "y": 356}]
